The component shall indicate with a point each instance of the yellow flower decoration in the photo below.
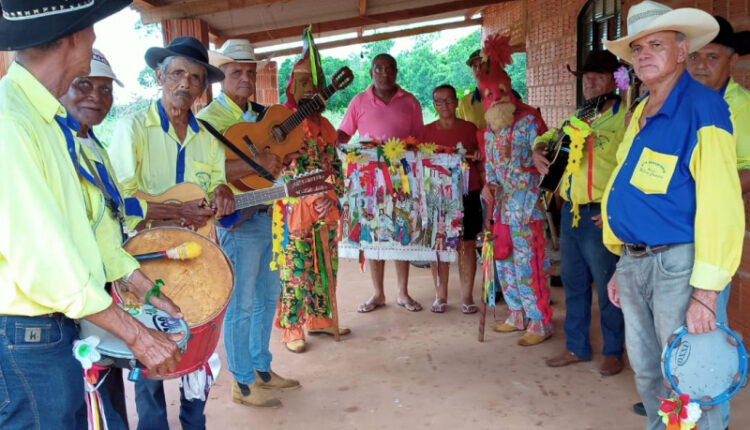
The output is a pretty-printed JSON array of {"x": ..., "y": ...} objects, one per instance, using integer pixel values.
[
  {"x": 393, "y": 149},
  {"x": 428, "y": 148},
  {"x": 351, "y": 157},
  {"x": 578, "y": 130},
  {"x": 277, "y": 234}
]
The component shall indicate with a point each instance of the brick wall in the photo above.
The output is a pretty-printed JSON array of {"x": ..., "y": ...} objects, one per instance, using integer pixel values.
[{"x": 266, "y": 84}]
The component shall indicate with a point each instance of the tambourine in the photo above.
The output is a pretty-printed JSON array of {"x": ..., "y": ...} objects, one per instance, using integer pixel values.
[
  {"x": 709, "y": 367},
  {"x": 115, "y": 352}
]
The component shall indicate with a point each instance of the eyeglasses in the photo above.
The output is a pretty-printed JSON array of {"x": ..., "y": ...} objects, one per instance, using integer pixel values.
[
  {"x": 443, "y": 102},
  {"x": 179, "y": 74}
]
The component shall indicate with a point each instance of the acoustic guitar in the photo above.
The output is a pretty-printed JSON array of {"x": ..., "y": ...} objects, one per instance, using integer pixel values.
[
  {"x": 278, "y": 131},
  {"x": 305, "y": 185},
  {"x": 559, "y": 150}
]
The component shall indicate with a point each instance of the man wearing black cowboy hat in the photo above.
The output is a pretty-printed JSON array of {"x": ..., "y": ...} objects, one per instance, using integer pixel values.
[
  {"x": 156, "y": 149},
  {"x": 50, "y": 266},
  {"x": 583, "y": 256},
  {"x": 712, "y": 66}
]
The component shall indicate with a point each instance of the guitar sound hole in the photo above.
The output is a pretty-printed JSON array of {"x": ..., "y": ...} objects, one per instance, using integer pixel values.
[{"x": 278, "y": 134}]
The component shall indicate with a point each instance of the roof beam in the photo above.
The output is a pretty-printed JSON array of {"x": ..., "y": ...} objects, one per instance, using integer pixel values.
[
  {"x": 368, "y": 20},
  {"x": 362, "y": 8},
  {"x": 194, "y": 8},
  {"x": 375, "y": 37}
]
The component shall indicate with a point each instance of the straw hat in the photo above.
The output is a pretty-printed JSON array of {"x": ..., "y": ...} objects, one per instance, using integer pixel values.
[
  {"x": 650, "y": 17},
  {"x": 233, "y": 51}
]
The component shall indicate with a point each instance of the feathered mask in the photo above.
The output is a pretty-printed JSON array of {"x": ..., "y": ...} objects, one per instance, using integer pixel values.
[{"x": 495, "y": 55}]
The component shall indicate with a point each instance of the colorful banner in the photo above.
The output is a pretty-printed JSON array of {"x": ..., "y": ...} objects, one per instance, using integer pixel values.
[{"x": 403, "y": 201}]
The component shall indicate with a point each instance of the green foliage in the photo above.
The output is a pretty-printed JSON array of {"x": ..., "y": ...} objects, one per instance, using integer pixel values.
[{"x": 420, "y": 70}]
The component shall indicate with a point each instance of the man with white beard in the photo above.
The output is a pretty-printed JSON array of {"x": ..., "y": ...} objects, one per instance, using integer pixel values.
[{"x": 513, "y": 193}]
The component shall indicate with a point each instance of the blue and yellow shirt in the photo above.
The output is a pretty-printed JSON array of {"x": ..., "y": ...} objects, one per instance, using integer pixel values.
[
  {"x": 147, "y": 156},
  {"x": 676, "y": 182}
]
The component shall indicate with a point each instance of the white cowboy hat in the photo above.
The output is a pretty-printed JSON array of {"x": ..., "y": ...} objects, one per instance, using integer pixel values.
[
  {"x": 233, "y": 51},
  {"x": 100, "y": 67},
  {"x": 649, "y": 17}
]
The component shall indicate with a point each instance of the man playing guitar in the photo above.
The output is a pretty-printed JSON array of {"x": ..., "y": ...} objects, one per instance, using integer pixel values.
[
  {"x": 249, "y": 317},
  {"x": 584, "y": 257}
]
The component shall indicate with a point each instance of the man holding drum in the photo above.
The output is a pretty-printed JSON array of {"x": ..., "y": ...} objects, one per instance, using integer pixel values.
[
  {"x": 51, "y": 270},
  {"x": 158, "y": 148},
  {"x": 676, "y": 167},
  {"x": 249, "y": 318},
  {"x": 88, "y": 101}
]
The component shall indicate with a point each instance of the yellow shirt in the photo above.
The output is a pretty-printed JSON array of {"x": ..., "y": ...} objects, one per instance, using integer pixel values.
[
  {"x": 223, "y": 113},
  {"x": 107, "y": 229},
  {"x": 675, "y": 182},
  {"x": 738, "y": 99},
  {"x": 608, "y": 130},
  {"x": 49, "y": 261},
  {"x": 148, "y": 157},
  {"x": 470, "y": 109}
]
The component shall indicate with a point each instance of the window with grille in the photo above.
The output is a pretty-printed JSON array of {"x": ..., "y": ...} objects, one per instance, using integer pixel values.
[{"x": 599, "y": 19}]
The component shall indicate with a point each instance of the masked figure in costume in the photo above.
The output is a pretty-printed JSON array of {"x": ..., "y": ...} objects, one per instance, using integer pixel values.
[
  {"x": 512, "y": 191},
  {"x": 305, "y": 228}
]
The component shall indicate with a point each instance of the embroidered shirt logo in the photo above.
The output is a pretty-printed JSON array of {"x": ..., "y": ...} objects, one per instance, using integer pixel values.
[{"x": 32, "y": 334}]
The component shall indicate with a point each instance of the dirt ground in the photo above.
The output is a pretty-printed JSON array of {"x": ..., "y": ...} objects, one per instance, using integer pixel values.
[{"x": 403, "y": 370}]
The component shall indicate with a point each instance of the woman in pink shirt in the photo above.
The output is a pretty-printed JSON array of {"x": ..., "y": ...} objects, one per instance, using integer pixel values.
[{"x": 449, "y": 131}]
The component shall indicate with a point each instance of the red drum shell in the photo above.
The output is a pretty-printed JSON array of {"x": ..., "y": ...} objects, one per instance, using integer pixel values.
[{"x": 201, "y": 287}]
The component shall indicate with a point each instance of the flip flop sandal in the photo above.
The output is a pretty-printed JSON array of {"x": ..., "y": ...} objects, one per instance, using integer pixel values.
[
  {"x": 437, "y": 307},
  {"x": 411, "y": 306},
  {"x": 469, "y": 309},
  {"x": 368, "y": 306}
]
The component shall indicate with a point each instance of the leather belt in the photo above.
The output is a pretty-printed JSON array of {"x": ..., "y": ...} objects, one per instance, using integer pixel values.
[
  {"x": 593, "y": 206},
  {"x": 638, "y": 251}
]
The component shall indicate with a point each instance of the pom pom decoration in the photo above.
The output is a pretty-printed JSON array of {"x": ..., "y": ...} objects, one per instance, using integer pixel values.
[
  {"x": 84, "y": 350},
  {"x": 622, "y": 78},
  {"x": 678, "y": 413},
  {"x": 497, "y": 49}
]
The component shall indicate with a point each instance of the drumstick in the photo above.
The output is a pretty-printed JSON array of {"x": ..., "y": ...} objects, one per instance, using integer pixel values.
[{"x": 184, "y": 251}]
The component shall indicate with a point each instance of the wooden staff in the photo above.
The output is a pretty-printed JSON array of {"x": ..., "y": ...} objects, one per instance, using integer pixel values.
[{"x": 331, "y": 281}]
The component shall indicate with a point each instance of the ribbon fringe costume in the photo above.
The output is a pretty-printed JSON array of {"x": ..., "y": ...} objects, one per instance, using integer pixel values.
[{"x": 298, "y": 246}]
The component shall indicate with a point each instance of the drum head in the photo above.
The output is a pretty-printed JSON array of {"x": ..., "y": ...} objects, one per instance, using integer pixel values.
[
  {"x": 111, "y": 346},
  {"x": 709, "y": 367},
  {"x": 201, "y": 286}
]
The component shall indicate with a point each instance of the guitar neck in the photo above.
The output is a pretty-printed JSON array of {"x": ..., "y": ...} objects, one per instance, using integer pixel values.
[
  {"x": 254, "y": 198},
  {"x": 313, "y": 105}
]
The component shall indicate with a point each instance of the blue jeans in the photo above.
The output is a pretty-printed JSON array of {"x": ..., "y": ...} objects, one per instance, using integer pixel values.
[
  {"x": 249, "y": 317},
  {"x": 584, "y": 259},
  {"x": 721, "y": 317},
  {"x": 152, "y": 408},
  {"x": 41, "y": 383},
  {"x": 654, "y": 294}
]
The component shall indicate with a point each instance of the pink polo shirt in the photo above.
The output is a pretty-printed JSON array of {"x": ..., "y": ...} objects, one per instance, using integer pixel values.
[{"x": 401, "y": 118}]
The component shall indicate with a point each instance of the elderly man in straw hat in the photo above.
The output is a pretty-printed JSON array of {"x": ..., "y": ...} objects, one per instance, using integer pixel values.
[
  {"x": 675, "y": 167},
  {"x": 51, "y": 270},
  {"x": 249, "y": 317},
  {"x": 155, "y": 149}
]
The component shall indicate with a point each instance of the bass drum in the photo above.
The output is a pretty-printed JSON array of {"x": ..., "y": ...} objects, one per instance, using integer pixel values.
[{"x": 201, "y": 287}]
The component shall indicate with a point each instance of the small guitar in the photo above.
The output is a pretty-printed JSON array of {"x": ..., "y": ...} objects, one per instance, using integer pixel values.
[
  {"x": 278, "y": 130},
  {"x": 560, "y": 150},
  {"x": 302, "y": 186}
]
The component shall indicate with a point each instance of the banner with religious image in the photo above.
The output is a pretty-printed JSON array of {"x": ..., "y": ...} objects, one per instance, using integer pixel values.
[{"x": 403, "y": 201}]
